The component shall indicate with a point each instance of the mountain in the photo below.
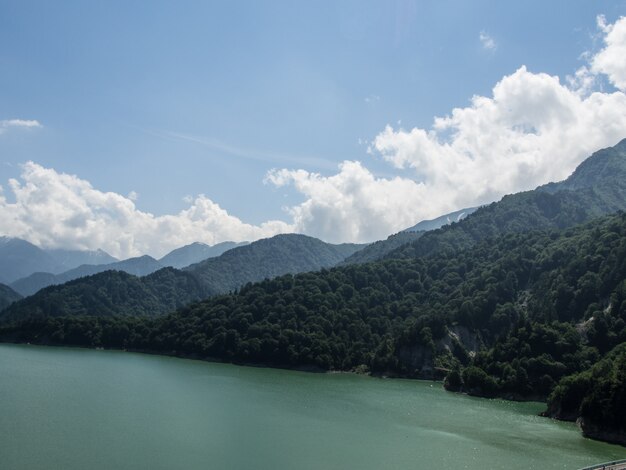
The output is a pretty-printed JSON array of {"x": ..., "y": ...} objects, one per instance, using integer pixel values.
[
  {"x": 19, "y": 259},
  {"x": 111, "y": 293},
  {"x": 139, "y": 266},
  {"x": 597, "y": 187},
  {"x": 70, "y": 259},
  {"x": 380, "y": 249},
  {"x": 520, "y": 316},
  {"x": 434, "y": 224},
  {"x": 196, "y": 252},
  {"x": 268, "y": 258},
  {"x": 97, "y": 293},
  {"x": 7, "y": 296},
  {"x": 518, "y": 300},
  {"x": 603, "y": 171}
]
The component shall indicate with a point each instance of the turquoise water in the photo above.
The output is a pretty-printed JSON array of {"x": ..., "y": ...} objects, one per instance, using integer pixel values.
[{"x": 83, "y": 409}]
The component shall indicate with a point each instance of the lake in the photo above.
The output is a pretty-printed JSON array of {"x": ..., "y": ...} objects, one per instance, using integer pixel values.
[{"x": 71, "y": 409}]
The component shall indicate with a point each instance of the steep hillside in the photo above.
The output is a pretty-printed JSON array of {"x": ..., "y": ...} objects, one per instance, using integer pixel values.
[
  {"x": 597, "y": 187},
  {"x": 268, "y": 258}
]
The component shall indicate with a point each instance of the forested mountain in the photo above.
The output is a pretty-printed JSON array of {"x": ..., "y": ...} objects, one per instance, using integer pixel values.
[
  {"x": 262, "y": 259},
  {"x": 268, "y": 258},
  {"x": 196, "y": 252},
  {"x": 19, "y": 259},
  {"x": 511, "y": 316},
  {"x": 518, "y": 300},
  {"x": 111, "y": 293},
  {"x": 140, "y": 266},
  {"x": 7, "y": 296},
  {"x": 434, "y": 224},
  {"x": 597, "y": 187}
]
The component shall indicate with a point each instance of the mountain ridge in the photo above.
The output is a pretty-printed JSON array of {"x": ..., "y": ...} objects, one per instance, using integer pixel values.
[
  {"x": 195, "y": 253},
  {"x": 524, "y": 299},
  {"x": 231, "y": 270},
  {"x": 139, "y": 266}
]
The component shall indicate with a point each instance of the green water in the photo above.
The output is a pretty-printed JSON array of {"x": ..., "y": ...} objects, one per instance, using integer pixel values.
[{"x": 80, "y": 409}]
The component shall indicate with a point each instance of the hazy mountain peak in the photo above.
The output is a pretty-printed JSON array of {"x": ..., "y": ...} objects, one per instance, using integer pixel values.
[
  {"x": 438, "y": 222},
  {"x": 195, "y": 253}
]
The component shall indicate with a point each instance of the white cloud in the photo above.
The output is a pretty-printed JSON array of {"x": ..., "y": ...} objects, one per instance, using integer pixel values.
[
  {"x": 531, "y": 130},
  {"x": 6, "y": 124},
  {"x": 352, "y": 205},
  {"x": 372, "y": 99},
  {"x": 611, "y": 60},
  {"x": 487, "y": 41},
  {"x": 59, "y": 210}
]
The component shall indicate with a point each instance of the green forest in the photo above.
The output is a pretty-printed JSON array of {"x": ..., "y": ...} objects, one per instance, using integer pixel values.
[
  {"x": 523, "y": 299},
  {"x": 516, "y": 316}
]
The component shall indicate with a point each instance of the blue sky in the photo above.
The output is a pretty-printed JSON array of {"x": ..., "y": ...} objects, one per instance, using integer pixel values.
[{"x": 177, "y": 99}]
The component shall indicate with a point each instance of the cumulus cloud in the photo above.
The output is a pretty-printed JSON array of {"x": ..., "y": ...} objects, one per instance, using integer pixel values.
[
  {"x": 487, "y": 41},
  {"x": 352, "y": 205},
  {"x": 611, "y": 60},
  {"x": 54, "y": 209},
  {"x": 532, "y": 129},
  {"x": 7, "y": 124}
]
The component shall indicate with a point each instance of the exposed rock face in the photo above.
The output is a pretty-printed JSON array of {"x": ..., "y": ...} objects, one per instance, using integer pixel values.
[
  {"x": 463, "y": 336},
  {"x": 420, "y": 358}
]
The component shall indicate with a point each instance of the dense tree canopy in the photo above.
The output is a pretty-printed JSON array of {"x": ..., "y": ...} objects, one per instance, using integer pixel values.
[
  {"x": 517, "y": 300},
  {"x": 524, "y": 298}
]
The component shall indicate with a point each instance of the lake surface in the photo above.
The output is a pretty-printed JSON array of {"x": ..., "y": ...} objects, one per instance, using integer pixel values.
[{"x": 83, "y": 409}]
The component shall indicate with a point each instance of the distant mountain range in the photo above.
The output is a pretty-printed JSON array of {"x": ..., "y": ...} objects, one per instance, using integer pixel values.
[
  {"x": 19, "y": 258},
  {"x": 140, "y": 266},
  {"x": 100, "y": 262},
  {"x": 594, "y": 189},
  {"x": 196, "y": 252},
  {"x": 524, "y": 298},
  {"x": 111, "y": 293},
  {"x": 104, "y": 292}
]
